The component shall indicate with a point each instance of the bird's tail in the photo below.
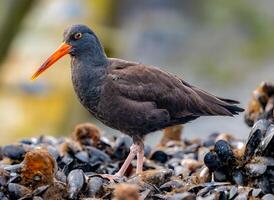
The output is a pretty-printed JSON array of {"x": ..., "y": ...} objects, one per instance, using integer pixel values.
[
  {"x": 231, "y": 107},
  {"x": 217, "y": 105}
]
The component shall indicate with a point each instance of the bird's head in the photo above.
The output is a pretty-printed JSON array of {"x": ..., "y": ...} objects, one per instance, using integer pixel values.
[{"x": 77, "y": 40}]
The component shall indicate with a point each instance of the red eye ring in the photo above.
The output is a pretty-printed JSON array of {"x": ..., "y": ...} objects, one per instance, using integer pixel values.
[{"x": 77, "y": 36}]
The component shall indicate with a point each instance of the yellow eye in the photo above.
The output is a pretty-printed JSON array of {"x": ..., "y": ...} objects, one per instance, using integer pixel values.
[{"x": 77, "y": 36}]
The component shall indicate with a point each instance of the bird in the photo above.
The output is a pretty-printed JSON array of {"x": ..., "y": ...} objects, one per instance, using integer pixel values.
[{"x": 131, "y": 97}]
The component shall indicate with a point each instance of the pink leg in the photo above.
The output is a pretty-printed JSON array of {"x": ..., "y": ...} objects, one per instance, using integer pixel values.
[
  {"x": 140, "y": 159},
  {"x": 134, "y": 149}
]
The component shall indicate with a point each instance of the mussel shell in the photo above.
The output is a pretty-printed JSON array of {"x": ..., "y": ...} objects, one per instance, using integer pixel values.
[
  {"x": 224, "y": 152},
  {"x": 264, "y": 184},
  {"x": 270, "y": 130},
  {"x": 156, "y": 196},
  {"x": 206, "y": 190},
  {"x": 212, "y": 161},
  {"x": 53, "y": 152},
  {"x": 254, "y": 140},
  {"x": 171, "y": 185},
  {"x": 238, "y": 177},
  {"x": 159, "y": 156},
  {"x": 97, "y": 155},
  {"x": 15, "y": 178},
  {"x": 3, "y": 196},
  {"x": 122, "y": 146},
  {"x": 104, "y": 143},
  {"x": 82, "y": 156},
  {"x": 242, "y": 195},
  {"x": 208, "y": 142},
  {"x": 268, "y": 161},
  {"x": 75, "y": 181},
  {"x": 46, "y": 139},
  {"x": 40, "y": 190},
  {"x": 256, "y": 192},
  {"x": 95, "y": 186},
  {"x": 60, "y": 176},
  {"x": 268, "y": 197},
  {"x": 67, "y": 159},
  {"x": 220, "y": 175},
  {"x": 255, "y": 169},
  {"x": 266, "y": 147},
  {"x": 4, "y": 177},
  {"x": 233, "y": 192},
  {"x": 29, "y": 141},
  {"x": 14, "y": 168},
  {"x": 182, "y": 196},
  {"x": 68, "y": 167},
  {"x": 37, "y": 198},
  {"x": 17, "y": 191},
  {"x": 14, "y": 152},
  {"x": 211, "y": 195}
]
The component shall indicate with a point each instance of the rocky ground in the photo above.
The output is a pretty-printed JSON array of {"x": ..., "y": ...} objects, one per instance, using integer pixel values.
[{"x": 218, "y": 167}]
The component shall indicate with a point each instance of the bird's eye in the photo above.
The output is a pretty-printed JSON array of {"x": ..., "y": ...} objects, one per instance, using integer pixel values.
[{"x": 77, "y": 36}]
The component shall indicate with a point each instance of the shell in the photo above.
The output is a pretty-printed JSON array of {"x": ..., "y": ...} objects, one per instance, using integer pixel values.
[
  {"x": 255, "y": 170},
  {"x": 76, "y": 181},
  {"x": 17, "y": 191},
  {"x": 14, "y": 152},
  {"x": 266, "y": 147},
  {"x": 255, "y": 137},
  {"x": 38, "y": 169},
  {"x": 224, "y": 152},
  {"x": 95, "y": 186},
  {"x": 212, "y": 161}
]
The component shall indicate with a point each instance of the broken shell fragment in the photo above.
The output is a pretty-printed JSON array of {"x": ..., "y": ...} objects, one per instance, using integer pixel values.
[{"x": 38, "y": 168}]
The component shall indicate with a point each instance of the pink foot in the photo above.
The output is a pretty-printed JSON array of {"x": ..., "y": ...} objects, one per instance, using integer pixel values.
[{"x": 111, "y": 178}]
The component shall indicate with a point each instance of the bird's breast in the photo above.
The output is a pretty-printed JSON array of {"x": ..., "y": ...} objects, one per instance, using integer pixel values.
[{"x": 88, "y": 83}]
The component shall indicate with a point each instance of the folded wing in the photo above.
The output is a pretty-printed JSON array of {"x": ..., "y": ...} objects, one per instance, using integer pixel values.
[{"x": 141, "y": 83}]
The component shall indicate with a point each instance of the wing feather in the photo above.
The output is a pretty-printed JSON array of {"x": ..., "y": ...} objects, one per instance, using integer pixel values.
[{"x": 138, "y": 82}]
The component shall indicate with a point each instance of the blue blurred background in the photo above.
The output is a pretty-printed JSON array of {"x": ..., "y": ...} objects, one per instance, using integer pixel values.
[{"x": 224, "y": 47}]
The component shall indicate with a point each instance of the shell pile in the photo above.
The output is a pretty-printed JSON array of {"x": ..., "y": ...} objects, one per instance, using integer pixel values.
[{"x": 218, "y": 167}]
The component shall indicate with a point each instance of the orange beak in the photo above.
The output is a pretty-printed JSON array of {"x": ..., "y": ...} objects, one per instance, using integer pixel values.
[{"x": 62, "y": 50}]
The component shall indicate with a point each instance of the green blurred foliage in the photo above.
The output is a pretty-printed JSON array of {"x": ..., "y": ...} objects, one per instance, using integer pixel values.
[{"x": 13, "y": 13}]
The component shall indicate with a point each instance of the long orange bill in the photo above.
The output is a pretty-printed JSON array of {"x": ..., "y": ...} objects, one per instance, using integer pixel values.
[{"x": 62, "y": 50}]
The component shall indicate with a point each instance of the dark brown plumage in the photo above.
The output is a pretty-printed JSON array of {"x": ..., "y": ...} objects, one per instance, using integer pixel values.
[
  {"x": 139, "y": 99},
  {"x": 131, "y": 97}
]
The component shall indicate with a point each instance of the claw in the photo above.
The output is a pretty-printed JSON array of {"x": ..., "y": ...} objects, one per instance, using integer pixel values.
[{"x": 112, "y": 178}]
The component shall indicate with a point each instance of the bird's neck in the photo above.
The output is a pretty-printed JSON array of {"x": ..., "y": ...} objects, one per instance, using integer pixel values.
[{"x": 88, "y": 76}]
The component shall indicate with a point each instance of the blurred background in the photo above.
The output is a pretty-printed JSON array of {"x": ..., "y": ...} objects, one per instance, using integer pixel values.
[{"x": 224, "y": 47}]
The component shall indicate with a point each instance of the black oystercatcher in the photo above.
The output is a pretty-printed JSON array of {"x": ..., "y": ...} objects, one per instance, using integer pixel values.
[{"x": 131, "y": 97}]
